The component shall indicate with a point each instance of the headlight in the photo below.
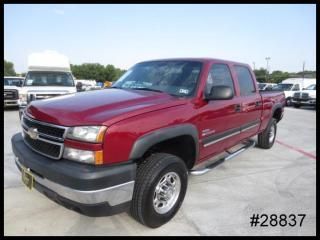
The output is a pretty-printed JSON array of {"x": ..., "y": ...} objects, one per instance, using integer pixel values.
[
  {"x": 23, "y": 98},
  {"x": 92, "y": 134},
  {"x": 83, "y": 156}
]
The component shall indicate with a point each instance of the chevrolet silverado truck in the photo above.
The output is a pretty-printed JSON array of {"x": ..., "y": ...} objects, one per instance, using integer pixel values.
[{"x": 131, "y": 147}]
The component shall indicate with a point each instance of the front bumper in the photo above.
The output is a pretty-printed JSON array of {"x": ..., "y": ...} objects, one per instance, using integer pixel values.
[
  {"x": 304, "y": 102},
  {"x": 90, "y": 190}
]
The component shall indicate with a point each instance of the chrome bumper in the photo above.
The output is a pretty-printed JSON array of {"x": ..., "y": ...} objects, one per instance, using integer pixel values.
[{"x": 114, "y": 195}]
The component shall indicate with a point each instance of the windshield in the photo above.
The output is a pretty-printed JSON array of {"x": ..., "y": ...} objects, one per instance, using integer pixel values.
[
  {"x": 261, "y": 85},
  {"x": 178, "y": 78},
  {"x": 311, "y": 87},
  {"x": 283, "y": 87},
  {"x": 13, "y": 82},
  {"x": 49, "y": 79}
]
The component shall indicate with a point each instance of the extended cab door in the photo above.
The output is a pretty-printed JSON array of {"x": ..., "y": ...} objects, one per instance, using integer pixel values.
[
  {"x": 249, "y": 117},
  {"x": 217, "y": 118}
]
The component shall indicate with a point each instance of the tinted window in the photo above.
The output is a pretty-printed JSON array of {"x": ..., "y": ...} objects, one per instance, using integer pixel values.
[
  {"x": 177, "y": 78},
  {"x": 245, "y": 81},
  {"x": 219, "y": 75},
  {"x": 49, "y": 79},
  {"x": 13, "y": 82}
]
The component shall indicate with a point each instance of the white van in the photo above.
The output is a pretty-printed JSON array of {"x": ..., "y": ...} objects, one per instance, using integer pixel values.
[
  {"x": 292, "y": 85},
  {"x": 48, "y": 75}
]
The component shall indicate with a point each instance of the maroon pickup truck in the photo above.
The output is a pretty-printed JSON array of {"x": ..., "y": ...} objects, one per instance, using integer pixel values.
[{"x": 132, "y": 146}]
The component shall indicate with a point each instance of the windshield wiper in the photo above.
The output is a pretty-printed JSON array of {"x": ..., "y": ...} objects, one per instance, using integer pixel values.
[{"x": 146, "y": 89}]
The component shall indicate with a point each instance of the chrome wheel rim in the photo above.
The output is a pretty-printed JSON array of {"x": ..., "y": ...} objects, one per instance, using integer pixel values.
[
  {"x": 271, "y": 133},
  {"x": 166, "y": 192}
]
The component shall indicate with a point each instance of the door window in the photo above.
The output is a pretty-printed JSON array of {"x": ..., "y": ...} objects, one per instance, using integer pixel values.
[
  {"x": 219, "y": 75},
  {"x": 245, "y": 81}
]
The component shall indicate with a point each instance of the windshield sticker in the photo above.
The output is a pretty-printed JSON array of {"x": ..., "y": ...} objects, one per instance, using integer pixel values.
[
  {"x": 29, "y": 81},
  {"x": 183, "y": 91}
]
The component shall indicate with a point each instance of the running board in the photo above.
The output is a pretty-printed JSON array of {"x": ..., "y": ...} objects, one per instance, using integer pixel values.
[{"x": 250, "y": 143}]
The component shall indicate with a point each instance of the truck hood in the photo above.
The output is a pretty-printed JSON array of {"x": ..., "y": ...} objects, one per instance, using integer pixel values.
[{"x": 100, "y": 107}]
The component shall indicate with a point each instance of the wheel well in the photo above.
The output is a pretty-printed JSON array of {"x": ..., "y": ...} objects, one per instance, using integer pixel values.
[
  {"x": 181, "y": 146},
  {"x": 277, "y": 114}
]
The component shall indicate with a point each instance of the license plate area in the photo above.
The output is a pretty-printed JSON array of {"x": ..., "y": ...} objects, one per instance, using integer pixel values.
[{"x": 27, "y": 178}]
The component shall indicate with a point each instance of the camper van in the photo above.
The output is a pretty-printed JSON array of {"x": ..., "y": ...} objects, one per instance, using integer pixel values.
[
  {"x": 292, "y": 85},
  {"x": 48, "y": 75}
]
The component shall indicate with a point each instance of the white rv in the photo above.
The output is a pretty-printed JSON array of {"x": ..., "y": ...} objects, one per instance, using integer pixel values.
[
  {"x": 292, "y": 85},
  {"x": 48, "y": 75}
]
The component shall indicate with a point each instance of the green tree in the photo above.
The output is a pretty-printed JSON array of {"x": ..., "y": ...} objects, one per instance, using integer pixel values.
[
  {"x": 278, "y": 76},
  {"x": 9, "y": 69},
  {"x": 260, "y": 74},
  {"x": 96, "y": 71}
]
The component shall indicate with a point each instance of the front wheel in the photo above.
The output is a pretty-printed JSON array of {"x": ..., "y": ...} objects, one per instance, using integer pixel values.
[
  {"x": 267, "y": 137},
  {"x": 160, "y": 187}
]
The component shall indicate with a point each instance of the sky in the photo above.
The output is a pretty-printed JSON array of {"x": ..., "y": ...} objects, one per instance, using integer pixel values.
[{"x": 123, "y": 35}]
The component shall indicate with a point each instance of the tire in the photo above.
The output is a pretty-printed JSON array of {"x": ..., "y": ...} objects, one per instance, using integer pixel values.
[
  {"x": 149, "y": 173},
  {"x": 288, "y": 102},
  {"x": 264, "y": 139},
  {"x": 296, "y": 105}
]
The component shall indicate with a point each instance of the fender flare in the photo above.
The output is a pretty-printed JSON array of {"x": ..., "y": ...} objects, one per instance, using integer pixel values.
[
  {"x": 143, "y": 143},
  {"x": 276, "y": 107}
]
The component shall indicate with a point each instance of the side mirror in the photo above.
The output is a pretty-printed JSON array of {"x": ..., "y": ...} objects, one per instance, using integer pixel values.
[{"x": 220, "y": 93}]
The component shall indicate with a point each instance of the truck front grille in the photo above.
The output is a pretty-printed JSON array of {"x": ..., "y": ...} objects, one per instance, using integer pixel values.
[
  {"x": 45, "y": 148},
  {"x": 11, "y": 94},
  {"x": 45, "y": 129},
  {"x": 305, "y": 96},
  {"x": 48, "y": 140}
]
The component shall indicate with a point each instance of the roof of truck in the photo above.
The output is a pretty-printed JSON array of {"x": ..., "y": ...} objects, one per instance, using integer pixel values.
[{"x": 202, "y": 59}]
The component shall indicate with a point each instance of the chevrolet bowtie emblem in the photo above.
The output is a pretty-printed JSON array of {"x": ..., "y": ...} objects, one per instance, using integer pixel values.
[{"x": 33, "y": 133}]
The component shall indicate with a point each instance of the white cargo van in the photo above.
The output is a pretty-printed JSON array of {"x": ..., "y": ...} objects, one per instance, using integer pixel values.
[
  {"x": 292, "y": 85},
  {"x": 48, "y": 75}
]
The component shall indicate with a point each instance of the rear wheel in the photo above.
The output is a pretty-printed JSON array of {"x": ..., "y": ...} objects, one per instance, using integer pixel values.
[
  {"x": 267, "y": 137},
  {"x": 160, "y": 187}
]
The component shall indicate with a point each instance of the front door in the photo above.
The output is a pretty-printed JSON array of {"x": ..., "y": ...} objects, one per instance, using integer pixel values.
[{"x": 218, "y": 118}]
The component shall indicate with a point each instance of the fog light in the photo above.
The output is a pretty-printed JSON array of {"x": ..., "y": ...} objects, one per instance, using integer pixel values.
[{"x": 83, "y": 156}]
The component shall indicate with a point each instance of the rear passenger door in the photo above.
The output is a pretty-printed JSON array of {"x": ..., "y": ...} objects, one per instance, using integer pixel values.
[{"x": 249, "y": 117}]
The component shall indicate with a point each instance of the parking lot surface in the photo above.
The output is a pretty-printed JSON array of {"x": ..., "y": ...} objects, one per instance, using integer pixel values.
[{"x": 281, "y": 180}]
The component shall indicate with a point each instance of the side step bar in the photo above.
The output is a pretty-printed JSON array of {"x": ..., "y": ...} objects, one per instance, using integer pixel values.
[{"x": 249, "y": 144}]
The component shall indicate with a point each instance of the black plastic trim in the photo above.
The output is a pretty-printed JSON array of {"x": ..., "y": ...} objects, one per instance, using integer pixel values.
[
  {"x": 217, "y": 136},
  {"x": 150, "y": 139},
  {"x": 72, "y": 174}
]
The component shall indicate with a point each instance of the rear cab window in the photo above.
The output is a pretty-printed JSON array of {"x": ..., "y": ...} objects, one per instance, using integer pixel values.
[{"x": 245, "y": 80}]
